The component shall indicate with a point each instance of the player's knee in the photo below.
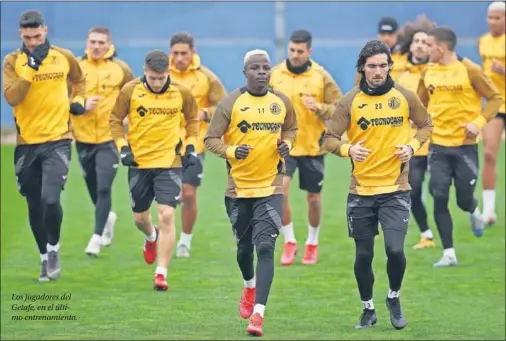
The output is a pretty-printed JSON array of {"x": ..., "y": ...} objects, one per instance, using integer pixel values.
[
  {"x": 314, "y": 200},
  {"x": 465, "y": 201},
  {"x": 103, "y": 191},
  {"x": 265, "y": 249},
  {"x": 394, "y": 250},
  {"x": 165, "y": 214},
  {"x": 490, "y": 157},
  {"x": 364, "y": 256},
  {"x": 440, "y": 196},
  {"x": 50, "y": 197},
  {"x": 244, "y": 250},
  {"x": 416, "y": 192},
  {"x": 189, "y": 195},
  {"x": 141, "y": 218}
]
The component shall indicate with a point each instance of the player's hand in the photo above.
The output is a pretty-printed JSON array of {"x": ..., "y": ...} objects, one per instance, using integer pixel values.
[
  {"x": 310, "y": 103},
  {"x": 472, "y": 130},
  {"x": 358, "y": 152},
  {"x": 404, "y": 152},
  {"x": 202, "y": 115},
  {"x": 190, "y": 158},
  {"x": 283, "y": 149},
  {"x": 497, "y": 67},
  {"x": 77, "y": 109},
  {"x": 127, "y": 157},
  {"x": 37, "y": 56},
  {"x": 91, "y": 102},
  {"x": 242, "y": 151}
]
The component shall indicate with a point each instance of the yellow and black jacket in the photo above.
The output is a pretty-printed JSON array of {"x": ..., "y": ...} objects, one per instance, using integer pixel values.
[
  {"x": 494, "y": 48},
  {"x": 410, "y": 79},
  {"x": 207, "y": 90},
  {"x": 381, "y": 119},
  {"x": 154, "y": 122},
  {"x": 104, "y": 78},
  {"x": 452, "y": 94},
  {"x": 314, "y": 81},
  {"x": 40, "y": 98},
  {"x": 258, "y": 121}
]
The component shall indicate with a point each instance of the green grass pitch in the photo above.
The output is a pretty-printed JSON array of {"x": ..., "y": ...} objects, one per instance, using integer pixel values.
[{"x": 112, "y": 296}]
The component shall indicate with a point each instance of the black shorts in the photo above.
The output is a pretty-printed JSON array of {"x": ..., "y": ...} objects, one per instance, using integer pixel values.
[
  {"x": 98, "y": 160},
  {"x": 391, "y": 210},
  {"x": 502, "y": 116},
  {"x": 457, "y": 164},
  {"x": 193, "y": 175},
  {"x": 418, "y": 166},
  {"x": 42, "y": 168},
  {"x": 254, "y": 219},
  {"x": 311, "y": 169},
  {"x": 162, "y": 184}
]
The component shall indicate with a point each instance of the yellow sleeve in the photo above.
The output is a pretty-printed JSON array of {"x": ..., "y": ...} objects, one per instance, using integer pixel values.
[
  {"x": 340, "y": 121},
  {"x": 216, "y": 92},
  {"x": 120, "y": 112},
  {"x": 190, "y": 112},
  {"x": 486, "y": 89},
  {"x": 75, "y": 76},
  {"x": 331, "y": 95},
  {"x": 16, "y": 87}
]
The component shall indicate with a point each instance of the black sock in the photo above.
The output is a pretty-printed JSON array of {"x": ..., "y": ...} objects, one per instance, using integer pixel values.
[
  {"x": 245, "y": 260},
  {"x": 444, "y": 222},
  {"x": 364, "y": 253},
  {"x": 102, "y": 209},
  {"x": 265, "y": 271},
  {"x": 419, "y": 213},
  {"x": 37, "y": 223},
  {"x": 396, "y": 259},
  {"x": 53, "y": 216}
]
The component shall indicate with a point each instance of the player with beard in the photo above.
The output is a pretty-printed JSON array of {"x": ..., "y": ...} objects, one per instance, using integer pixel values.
[
  {"x": 418, "y": 58},
  {"x": 376, "y": 117}
]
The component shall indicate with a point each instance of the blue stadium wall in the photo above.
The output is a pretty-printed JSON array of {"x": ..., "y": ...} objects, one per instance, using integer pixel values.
[{"x": 225, "y": 31}]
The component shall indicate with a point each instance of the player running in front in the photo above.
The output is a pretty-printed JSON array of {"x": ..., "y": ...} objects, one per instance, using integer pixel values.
[
  {"x": 207, "y": 89},
  {"x": 314, "y": 94},
  {"x": 254, "y": 128},
  {"x": 452, "y": 88},
  {"x": 492, "y": 52},
  {"x": 154, "y": 107},
  {"x": 376, "y": 116}
]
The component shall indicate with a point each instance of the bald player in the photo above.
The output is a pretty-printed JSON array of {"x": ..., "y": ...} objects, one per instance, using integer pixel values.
[
  {"x": 254, "y": 128},
  {"x": 492, "y": 51}
]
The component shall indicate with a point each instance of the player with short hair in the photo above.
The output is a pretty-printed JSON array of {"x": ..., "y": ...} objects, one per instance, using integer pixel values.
[
  {"x": 98, "y": 157},
  {"x": 418, "y": 58},
  {"x": 186, "y": 69},
  {"x": 493, "y": 56},
  {"x": 154, "y": 107},
  {"x": 253, "y": 128},
  {"x": 376, "y": 117},
  {"x": 35, "y": 85},
  {"x": 452, "y": 88},
  {"x": 314, "y": 94}
]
